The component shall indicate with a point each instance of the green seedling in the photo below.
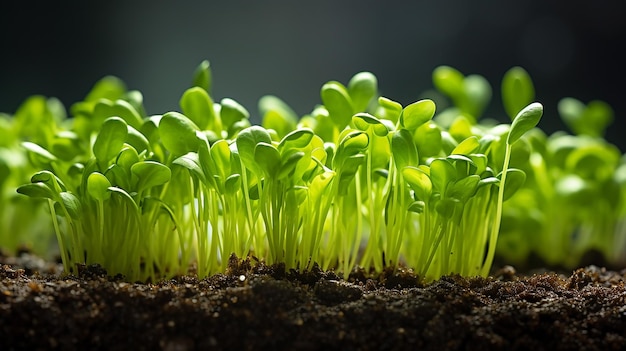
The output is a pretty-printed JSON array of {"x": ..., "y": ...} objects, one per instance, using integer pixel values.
[
  {"x": 38, "y": 121},
  {"x": 571, "y": 202},
  {"x": 360, "y": 180}
]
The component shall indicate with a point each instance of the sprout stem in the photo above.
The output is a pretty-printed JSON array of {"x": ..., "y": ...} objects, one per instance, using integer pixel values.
[{"x": 493, "y": 238}]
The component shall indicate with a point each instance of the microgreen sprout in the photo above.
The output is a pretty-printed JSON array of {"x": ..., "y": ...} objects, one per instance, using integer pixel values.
[
  {"x": 38, "y": 120},
  {"x": 360, "y": 180},
  {"x": 572, "y": 202}
]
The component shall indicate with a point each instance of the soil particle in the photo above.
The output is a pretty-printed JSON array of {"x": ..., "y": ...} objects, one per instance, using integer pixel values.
[
  {"x": 254, "y": 306},
  {"x": 333, "y": 292}
]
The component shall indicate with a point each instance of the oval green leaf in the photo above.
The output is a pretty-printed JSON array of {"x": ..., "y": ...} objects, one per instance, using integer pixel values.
[
  {"x": 362, "y": 88},
  {"x": 463, "y": 189},
  {"x": 337, "y": 101},
  {"x": 389, "y": 109},
  {"x": 232, "y": 112},
  {"x": 127, "y": 112},
  {"x": 403, "y": 149},
  {"x": 110, "y": 140},
  {"x": 39, "y": 151},
  {"x": 467, "y": 146},
  {"x": 98, "y": 186},
  {"x": 247, "y": 141},
  {"x": 515, "y": 179},
  {"x": 232, "y": 183},
  {"x": 442, "y": 172},
  {"x": 191, "y": 161},
  {"x": 197, "y": 105},
  {"x": 137, "y": 140},
  {"x": 364, "y": 121},
  {"x": 178, "y": 133},
  {"x": 268, "y": 158},
  {"x": 220, "y": 153},
  {"x": 417, "y": 113},
  {"x": 150, "y": 174},
  {"x": 202, "y": 76},
  {"x": 277, "y": 115},
  {"x": 477, "y": 95},
  {"x": 428, "y": 140},
  {"x": 297, "y": 139},
  {"x": 71, "y": 204},
  {"x": 526, "y": 119},
  {"x": 448, "y": 81},
  {"x": 418, "y": 181},
  {"x": 517, "y": 90},
  {"x": 37, "y": 190}
]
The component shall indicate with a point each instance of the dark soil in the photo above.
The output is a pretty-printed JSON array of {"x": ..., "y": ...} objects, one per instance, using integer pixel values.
[{"x": 258, "y": 307}]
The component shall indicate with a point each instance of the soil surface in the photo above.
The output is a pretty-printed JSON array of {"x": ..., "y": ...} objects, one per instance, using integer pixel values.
[{"x": 256, "y": 307}]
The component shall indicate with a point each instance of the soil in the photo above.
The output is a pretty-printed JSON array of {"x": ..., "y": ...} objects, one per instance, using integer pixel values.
[{"x": 254, "y": 307}]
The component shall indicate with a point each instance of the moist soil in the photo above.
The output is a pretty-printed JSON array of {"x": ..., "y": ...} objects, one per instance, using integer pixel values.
[{"x": 257, "y": 307}]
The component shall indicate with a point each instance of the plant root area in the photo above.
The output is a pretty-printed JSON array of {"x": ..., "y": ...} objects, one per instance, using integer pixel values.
[{"x": 254, "y": 307}]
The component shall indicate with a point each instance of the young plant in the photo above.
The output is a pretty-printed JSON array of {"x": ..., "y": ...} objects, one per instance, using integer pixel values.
[
  {"x": 118, "y": 182},
  {"x": 360, "y": 180},
  {"x": 24, "y": 223},
  {"x": 108, "y": 174},
  {"x": 573, "y": 203}
]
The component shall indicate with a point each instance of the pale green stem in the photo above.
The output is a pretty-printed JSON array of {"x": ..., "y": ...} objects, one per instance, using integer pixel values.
[
  {"x": 493, "y": 238},
  {"x": 62, "y": 244},
  {"x": 441, "y": 231}
]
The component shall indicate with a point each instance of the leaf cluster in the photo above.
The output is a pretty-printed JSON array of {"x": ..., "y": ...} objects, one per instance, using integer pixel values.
[
  {"x": 360, "y": 180},
  {"x": 573, "y": 201}
]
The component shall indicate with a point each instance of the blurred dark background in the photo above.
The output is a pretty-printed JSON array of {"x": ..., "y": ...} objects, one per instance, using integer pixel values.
[{"x": 290, "y": 48}]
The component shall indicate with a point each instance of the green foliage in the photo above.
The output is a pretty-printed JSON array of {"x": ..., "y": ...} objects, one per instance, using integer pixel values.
[
  {"x": 573, "y": 199},
  {"x": 361, "y": 179},
  {"x": 202, "y": 77},
  {"x": 517, "y": 91},
  {"x": 591, "y": 119},
  {"x": 470, "y": 94},
  {"x": 24, "y": 137}
]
